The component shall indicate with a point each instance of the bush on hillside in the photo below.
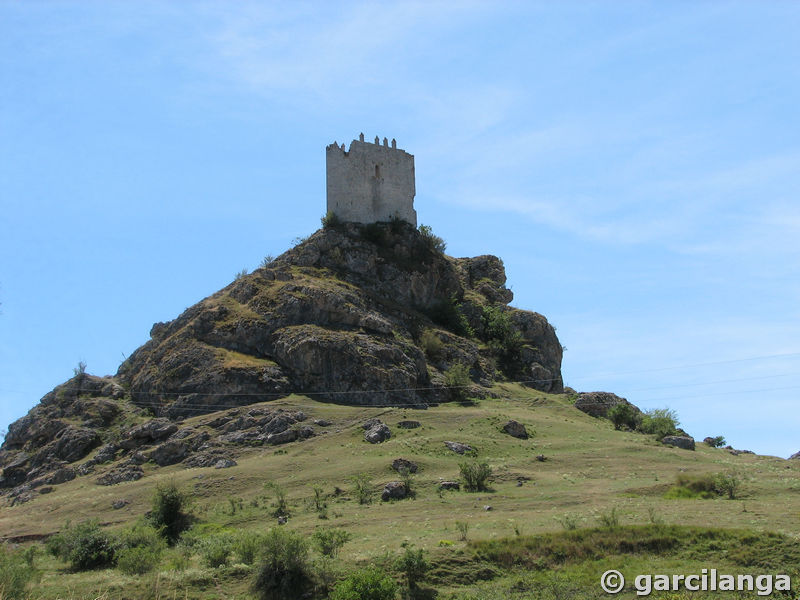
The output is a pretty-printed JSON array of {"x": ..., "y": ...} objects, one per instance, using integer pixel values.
[
  {"x": 330, "y": 221},
  {"x": 716, "y": 441},
  {"x": 84, "y": 546},
  {"x": 140, "y": 549},
  {"x": 169, "y": 511},
  {"x": 475, "y": 475},
  {"x": 433, "y": 241},
  {"x": 413, "y": 565},
  {"x": 330, "y": 541},
  {"x": 283, "y": 573},
  {"x": 623, "y": 415},
  {"x": 16, "y": 573},
  {"x": 372, "y": 583},
  {"x": 660, "y": 422},
  {"x": 457, "y": 380},
  {"x": 447, "y": 314}
]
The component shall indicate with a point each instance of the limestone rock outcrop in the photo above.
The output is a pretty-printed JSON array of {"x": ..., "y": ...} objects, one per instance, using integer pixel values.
[{"x": 370, "y": 315}]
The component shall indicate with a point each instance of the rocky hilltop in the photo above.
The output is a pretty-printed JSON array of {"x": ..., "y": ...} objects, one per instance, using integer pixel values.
[{"x": 358, "y": 314}]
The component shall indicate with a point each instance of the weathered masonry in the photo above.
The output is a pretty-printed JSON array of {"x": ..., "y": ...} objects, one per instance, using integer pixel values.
[{"x": 370, "y": 182}]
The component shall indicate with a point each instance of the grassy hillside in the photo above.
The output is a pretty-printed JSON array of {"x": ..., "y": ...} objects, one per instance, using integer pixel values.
[{"x": 535, "y": 540}]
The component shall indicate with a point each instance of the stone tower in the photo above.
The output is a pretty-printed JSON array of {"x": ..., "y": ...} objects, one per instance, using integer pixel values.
[{"x": 370, "y": 182}]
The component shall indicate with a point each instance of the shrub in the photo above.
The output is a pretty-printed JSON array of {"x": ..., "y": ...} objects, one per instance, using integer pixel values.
[
  {"x": 240, "y": 274},
  {"x": 283, "y": 572},
  {"x": 569, "y": 522},
  {"x": 330, "y": 541},
  {"x": 660, "y": 422},
  {"x": 609, "y": 519},
  {"x": 137, "y": 560},
  {"x": 319, "y": 499},
  {"x": 475, "y": 475},
  {"x": 215, "y": 551},
  {"x": 433, "y": 241},
  {"x": 84, "y": 546},
  {"x": 715, "y": 442},
  {"x": 414, "y": 566},
  {"x": 362, "y": 487},
  {"x": 431, "y": 344},
  {"x": 140, "y": 550},
  {"x": 16, "y": 573},
  {"x": 447, "y": 313},
  {"x": 281, "y": 505},
  {"x": 504, "y": 340},
  {"x": 330, "y": 221},
  {"x": 169, "y": 511},
  {"x": 457, "y": 380},
  {"x": 80, "y": 370},
  {"x": 267, "y": 260},
  {"x": 371, "y": 583},
  {"x": 623, "y": 415},
  {"x": 463, "y": 529},
  {"x": 247, "y": 546},
  {"x": 728, "y": 484},
  {"x": 407, "y": 478},
  {"x": 692, "y": 486}
]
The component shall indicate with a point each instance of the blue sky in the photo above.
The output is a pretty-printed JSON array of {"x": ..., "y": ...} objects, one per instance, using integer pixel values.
[{"x": 635, "y": 164}]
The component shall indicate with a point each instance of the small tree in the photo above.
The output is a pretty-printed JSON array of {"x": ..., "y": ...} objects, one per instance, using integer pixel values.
[
  {"x": 728, "y": 484},
  {"x": 715, "y": 442},
  {"x": 330, "y": 541},
  {"x": 362, "y": 487},
  {"x": 475, "y": 475},
  {"x": 169, "y": 511},
  {"x": 414, "y": 566},
  {"x": 281, "y": 505}
]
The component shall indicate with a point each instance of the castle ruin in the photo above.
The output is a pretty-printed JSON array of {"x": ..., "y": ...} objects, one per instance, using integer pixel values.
[{"x": 370, "y": 182}]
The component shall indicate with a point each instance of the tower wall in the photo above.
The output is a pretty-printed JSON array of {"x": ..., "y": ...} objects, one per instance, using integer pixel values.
[{"x": 370, "y": 182}]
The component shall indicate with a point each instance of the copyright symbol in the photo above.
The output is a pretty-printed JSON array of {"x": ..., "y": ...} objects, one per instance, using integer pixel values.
[{"x": 612, "y": 582}]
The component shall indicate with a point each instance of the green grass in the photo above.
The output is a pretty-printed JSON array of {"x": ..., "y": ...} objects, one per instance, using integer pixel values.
[{"x": 590, "y": 469}]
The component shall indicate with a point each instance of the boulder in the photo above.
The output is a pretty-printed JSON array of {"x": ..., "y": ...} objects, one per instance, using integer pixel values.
[
  {"x": 121, "y": 503},
  {"x": 168, "y": 453},
  {"x": 597, "y": 404},
  {"x": 377, "y": 434},
  {"x": 154, "y": 430},
  {"x": 408, "y": 424},
  {"x": 225, "y": 463},
  {"x": 449, "y": 485},
  {"x": 207, "y": 458},
  {"x": 322, "y": 422},
  {"x": 370, "y": 423},
  {"x": 795, "y": 456},
  {"x": 73, "y": 443},
  {"x": 61, "y": 476},
  {"x": 120, "y": 475},
  {"x": 679, "y": 441},
  {"x": 284, "y": 437},
  {"x": 516, "y": 429},
  {"x": 402, "y": 465},
  {"x": 459, "y": 448},
  {"x": 394, "y": 490}
]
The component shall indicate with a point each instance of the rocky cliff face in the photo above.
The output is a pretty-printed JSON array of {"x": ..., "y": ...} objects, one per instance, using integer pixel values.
[{"x": 357, "y": 314}]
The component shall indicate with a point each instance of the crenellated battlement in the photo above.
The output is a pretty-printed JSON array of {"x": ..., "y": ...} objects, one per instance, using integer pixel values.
[{"x": 370, "y": 182}]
